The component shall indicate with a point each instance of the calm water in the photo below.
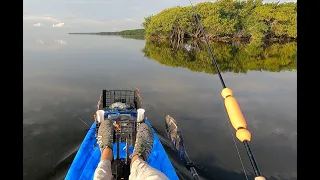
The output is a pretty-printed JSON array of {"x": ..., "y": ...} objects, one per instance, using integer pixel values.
[{"x": 63, "y": 78}]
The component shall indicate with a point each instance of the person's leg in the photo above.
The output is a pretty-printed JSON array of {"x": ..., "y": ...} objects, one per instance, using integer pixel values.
[
  {"x": 105, "y": 142},
  {"x": 103, "y": 171},
  {"x": 140, "y": 169}
]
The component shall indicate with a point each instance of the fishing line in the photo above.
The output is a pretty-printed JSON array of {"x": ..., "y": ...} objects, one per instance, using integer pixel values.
[
  {"x": 222, "y": 83},
  {"x": 84, "y": 122},
  {"x": 208, "y": 46},
  {"x": 235, "y": 143}
]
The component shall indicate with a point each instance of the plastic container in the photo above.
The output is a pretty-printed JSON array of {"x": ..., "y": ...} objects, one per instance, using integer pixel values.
[{"x": 140, "y": 115}]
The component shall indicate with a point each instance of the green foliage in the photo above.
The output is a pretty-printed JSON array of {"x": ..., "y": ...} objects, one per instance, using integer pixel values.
[
  {"x": 237, "y": 59},
  {"x": 285, "y": 20},
  {"x": 162, "y": 24},
  {"x": 146, "y": 22},
  {"x": 131, "y": 32},
  {"x": 226, "y": 18},
  {"x": 137, "y": 37}
]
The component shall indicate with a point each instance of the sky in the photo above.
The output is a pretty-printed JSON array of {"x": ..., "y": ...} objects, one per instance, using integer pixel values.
[{"x": 61, "y": 16}]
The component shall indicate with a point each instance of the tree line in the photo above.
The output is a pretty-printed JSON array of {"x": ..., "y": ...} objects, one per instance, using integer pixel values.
[
  {"x": 225, "y": 20},
  {"x": 134, "y": 32}
]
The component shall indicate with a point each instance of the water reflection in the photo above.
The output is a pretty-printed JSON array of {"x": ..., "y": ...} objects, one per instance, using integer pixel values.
[
  {"x": 39, "y": 41},
  {"x": 35, "y": 44},
  {"x": 63, "y": 42},
  {"x": 61, "y": 86},
  {"x": 237, "y": 58}
]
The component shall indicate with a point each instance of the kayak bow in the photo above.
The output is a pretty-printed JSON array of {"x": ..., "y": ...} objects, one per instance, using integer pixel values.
[{"x": 123, "y": 107}]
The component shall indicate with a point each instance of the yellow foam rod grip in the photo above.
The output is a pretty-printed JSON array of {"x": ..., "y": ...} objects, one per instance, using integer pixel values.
[
  {"x": 259, "y": 178},
  {"x": 235, "y": 115}
]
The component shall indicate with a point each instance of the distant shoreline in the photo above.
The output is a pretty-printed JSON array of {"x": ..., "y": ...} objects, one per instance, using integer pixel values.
[
  {"x": 103, "y": 34},
  {"x": 134, "y": 32}
]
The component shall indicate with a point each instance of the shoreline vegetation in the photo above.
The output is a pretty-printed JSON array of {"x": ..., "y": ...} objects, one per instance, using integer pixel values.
[
  {"x": 133, "y": 32},
  {"x": 235, "y": 58},
  {"x": 223, "y": 21}
]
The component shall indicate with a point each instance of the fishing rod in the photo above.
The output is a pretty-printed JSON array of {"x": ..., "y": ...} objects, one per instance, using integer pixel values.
[{"x": 233, "y": 110}]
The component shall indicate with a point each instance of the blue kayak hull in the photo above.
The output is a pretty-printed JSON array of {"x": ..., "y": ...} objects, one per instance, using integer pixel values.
[{"x": 88, "y": 157}]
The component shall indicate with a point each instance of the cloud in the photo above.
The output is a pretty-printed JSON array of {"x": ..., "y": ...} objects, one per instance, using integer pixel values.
[
  {"x": 87, "y": 2},
  {"x": 37, "y": 25},
  {"x": 58, "y": 25},
  {"x": 61, "y": 24},
  {"x": 50, "y": 19},
  {"x": 60, "y": 42}
]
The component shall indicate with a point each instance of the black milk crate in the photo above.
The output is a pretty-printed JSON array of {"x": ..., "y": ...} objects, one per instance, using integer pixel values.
[{"x": 131, "y": 98}]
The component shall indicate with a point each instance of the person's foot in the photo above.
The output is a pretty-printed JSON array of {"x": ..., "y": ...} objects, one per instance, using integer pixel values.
[
  {"x": 105, "y": 132},
  {"x": 144, "y": 141}
]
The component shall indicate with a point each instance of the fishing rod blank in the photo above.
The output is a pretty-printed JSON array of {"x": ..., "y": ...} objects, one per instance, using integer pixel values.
[
  {"x": 233, "y": 110},
  {"x": 208, "y": 46}
]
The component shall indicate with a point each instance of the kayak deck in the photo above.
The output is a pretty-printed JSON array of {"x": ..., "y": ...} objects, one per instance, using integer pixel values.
[{"x": 88, "y": 157}]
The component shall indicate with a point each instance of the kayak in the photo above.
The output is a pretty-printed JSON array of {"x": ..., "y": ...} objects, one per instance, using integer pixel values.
[
  {"x": 88, "y": 155},
  {"x": 129, "y": 104}
]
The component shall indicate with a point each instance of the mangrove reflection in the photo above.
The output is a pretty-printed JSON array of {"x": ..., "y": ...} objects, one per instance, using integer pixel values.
[
  {"x": 237, "y": 58},
  {"x": 133, "y": 37}
]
